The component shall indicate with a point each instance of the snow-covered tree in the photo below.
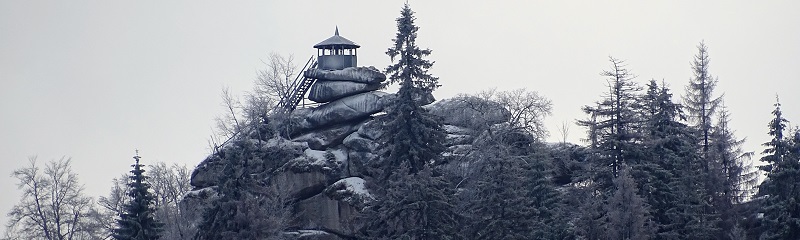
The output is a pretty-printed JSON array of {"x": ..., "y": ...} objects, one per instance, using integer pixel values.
[
  {"x": 53, "y": 205},
  {"x": 137, "y": 221},
  {"x": 244, "y": 208}
]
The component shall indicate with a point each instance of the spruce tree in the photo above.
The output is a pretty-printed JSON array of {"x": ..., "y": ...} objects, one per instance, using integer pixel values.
[
  {"x": 777, "y": 148},
  {"x": 781, "y": 189},
  {"x": 412, "y": 206},
  {"x": 668, "y": 143},
  {"x": 513, "y": 198},
  {"x": 415, "y": 135},
  {"x": 670, "y": 173},
  {"x": 137, "y": 221},
  {"x": 415, "y": 201}
]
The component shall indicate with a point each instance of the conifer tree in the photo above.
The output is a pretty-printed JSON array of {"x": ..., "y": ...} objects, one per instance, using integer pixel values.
[
  {"x": 416, "y": 202},
  {"x": 732, "y": 177},
  {"x": 614, "y": 121},
  {"x": 244, "y": 208},
  {"x": 513, "y": 199},
  {"x": 628, "y": 213},
  {"x": 777, "y": 148},
  {"x": 412, "y": 206},
  {"x": 137, "y": 221},
  {"x": 667, "y": 141},
  {"x": 699, "y": 100},
  {"x": 670, "y": 173},
  {"x": 701, "y": 106},
  {"x": 416, "y": 135},
  {"x": 781, "y": 189}
]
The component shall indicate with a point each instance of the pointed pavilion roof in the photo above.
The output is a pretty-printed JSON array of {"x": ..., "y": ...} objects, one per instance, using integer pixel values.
[{"x": 337, "y": 40}]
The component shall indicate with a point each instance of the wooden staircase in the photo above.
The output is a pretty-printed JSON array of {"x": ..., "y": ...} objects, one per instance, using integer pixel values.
[{"x": 298, "y": 88}]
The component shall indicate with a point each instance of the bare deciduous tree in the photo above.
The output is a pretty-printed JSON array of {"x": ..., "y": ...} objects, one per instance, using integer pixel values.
[
  {"x": 275, "y": 81},
  {"x": 270, "y": 86},
  {"x": 111, "y": 206},
  {"x": 169, "y": 184},
  {"x": 229, "y": 123},
  {"x": 528, "y": 109},
  {"x": 53, "y": 205},
  {"x": 564, "y": 131}
]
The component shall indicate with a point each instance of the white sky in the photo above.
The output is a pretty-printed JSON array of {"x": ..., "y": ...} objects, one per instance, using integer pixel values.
[{"x": 94, "y": 80}]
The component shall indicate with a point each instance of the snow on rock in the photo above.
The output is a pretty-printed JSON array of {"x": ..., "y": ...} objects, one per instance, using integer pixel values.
[
  {"x": 321, "y": 139},
  {"x": 317, "y": 157},
  {"x": 194, "y": 203},
  {"x": 457, "y": 130},
  {"x": 355, "y": 142},
  {"x": 354, "y": 185},
  {"x": 350, "y": 190},
  {"x": 454, "y": 139},
  {"x": 305, "y": 234},
  {"x": 470, "y": 112},
  {"x": 369, "y": 75},
  {"x": 325, "y": 91},
  {"x": 347, "y": 109},
  {"x": 459, "y": 150}
]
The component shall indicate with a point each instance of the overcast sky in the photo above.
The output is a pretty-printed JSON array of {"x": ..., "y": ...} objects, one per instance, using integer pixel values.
[{"x": 96, "y": 80}]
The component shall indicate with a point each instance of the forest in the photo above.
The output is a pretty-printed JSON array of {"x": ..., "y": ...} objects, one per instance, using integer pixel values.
[{"x": 655, "y": 163}]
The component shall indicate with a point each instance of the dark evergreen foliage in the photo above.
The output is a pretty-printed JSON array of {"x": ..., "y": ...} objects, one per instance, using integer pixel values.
[
  {"x": 733, "y": 180},
  {"x": 244, "y": 208},
  {"x": 413, "y": 206},
  {"x": 415, "y": 135},
  {"x": 410, "y": 65},
  {"x": 512, "y": 197},
  {"x": 628, "y": 213},
  {"x": 137, "y": 221},
  {"x": 613, "y": 122},
  {"x": 781, "y": 190},
  {"x": 590, "y": 213},
  {"x": 415, "y": 201},
  {"x": 670, "y": 145},
  {"x": 777, "y": 148}
]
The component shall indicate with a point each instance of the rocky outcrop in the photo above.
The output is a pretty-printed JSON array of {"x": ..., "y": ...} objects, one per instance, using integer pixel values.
[
  {"x": 327, "y": 137},
  {"x": 326, "y": 91},
  {"x": 470, "y": 112},
  {"x": 369, "y": 75},
  {"x": 321, "y": 167},
  {"x": 346, "y": 109}
]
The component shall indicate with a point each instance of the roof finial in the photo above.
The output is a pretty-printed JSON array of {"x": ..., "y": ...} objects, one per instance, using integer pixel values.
[{"x": 337, "y": 30}]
